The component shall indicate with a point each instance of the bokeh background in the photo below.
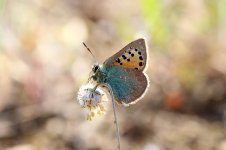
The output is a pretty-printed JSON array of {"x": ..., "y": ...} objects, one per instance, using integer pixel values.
[{"x": 43, "y": 63}]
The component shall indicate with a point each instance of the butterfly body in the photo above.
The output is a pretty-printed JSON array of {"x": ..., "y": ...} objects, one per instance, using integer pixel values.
[{"x": 123, "y": 72}]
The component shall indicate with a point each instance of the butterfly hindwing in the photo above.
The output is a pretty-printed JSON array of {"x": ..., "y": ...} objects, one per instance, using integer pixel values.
[
  {"x": 133, "y": 55},
  {"x": 128, "y": 85}
]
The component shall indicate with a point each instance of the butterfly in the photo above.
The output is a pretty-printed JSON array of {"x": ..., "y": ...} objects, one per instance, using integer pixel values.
[{"x": 124, "y": 73}]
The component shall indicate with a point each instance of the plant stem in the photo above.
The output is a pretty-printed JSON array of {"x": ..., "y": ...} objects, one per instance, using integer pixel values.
[
  {"x": 114, "y": 110},
  {"x": 116, "y": 119}
]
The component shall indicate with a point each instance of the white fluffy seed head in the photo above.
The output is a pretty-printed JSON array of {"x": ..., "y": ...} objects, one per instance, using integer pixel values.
[
  {"x": 88, "y": 97},
  {"x": 92, "y": 99}
]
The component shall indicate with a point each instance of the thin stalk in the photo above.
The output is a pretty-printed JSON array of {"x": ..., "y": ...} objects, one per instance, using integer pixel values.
[
  {"x": 114, "y": 110},
  {"x": 116, "y": 119}
]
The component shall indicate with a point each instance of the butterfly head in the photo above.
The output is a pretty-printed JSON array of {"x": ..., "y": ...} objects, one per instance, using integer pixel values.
[
  {"x": 95, "y": 70},
  {"x": 95, "y": 67}
]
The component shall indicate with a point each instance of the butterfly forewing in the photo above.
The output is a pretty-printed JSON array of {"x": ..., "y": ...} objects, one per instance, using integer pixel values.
[{"x": 133, "y": 56}]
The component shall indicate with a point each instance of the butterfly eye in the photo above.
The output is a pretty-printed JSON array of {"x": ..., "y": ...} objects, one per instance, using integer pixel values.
[{"x": 95, "y": 68}]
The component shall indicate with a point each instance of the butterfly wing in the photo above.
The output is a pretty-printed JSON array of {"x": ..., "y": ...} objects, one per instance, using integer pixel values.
[
  {"x": 133, "y": 55},
  {"x": 125, "y": 72},
  {"x": 128, "y": 85}
]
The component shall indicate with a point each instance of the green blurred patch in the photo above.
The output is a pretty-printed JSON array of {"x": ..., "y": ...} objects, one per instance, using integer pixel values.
[
  {"x": 215, "y": 18},
  {"x": 187, "y": 74},
  {"x": 2, "y": 6},
  {"x": 212, "y": 7},
  {"x": 210, "y": 21},
  {"x": 124, "y": 28},
  {"x": 155, "y": 21},
  {"x": 2, "y": 10}
]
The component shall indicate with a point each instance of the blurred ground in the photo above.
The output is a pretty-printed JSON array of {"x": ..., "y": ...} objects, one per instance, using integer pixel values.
[{"x": 43, "y": 63}]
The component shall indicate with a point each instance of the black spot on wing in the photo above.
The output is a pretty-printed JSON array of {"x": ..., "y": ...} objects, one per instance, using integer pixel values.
[
  {"x": 118, "y": 60},
  {"x": 140, "y": 63},
  {"x": 123, "y": 56}
]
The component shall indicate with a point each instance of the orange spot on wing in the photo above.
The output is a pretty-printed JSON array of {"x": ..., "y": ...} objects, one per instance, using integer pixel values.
[{"x": 130, "y": 60}]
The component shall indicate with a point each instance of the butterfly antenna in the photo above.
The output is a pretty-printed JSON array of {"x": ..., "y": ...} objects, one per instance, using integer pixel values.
[{"x": 89, "y": 50}]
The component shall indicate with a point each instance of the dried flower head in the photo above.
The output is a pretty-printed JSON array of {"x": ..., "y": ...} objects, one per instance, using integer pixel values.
[{"x": 92, "y": 99}]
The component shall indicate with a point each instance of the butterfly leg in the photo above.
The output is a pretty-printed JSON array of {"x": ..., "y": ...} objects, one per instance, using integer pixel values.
[
  {"x": 94, "y": 89},
  {"x": 90, "y": 77}
]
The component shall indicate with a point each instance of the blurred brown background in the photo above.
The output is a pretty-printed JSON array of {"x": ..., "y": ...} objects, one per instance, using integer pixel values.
[{"x": 43, "y": 63}]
